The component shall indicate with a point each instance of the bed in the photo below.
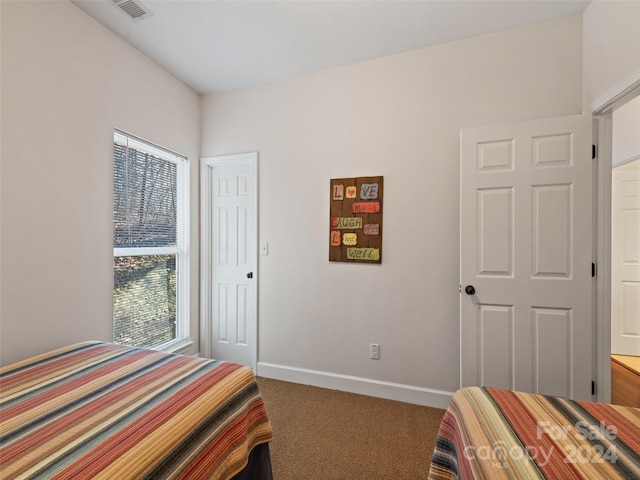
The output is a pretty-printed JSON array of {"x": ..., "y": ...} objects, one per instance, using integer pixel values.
[
  {"x": 98, "y": 410},
  {"x": 489, "y": 433}
]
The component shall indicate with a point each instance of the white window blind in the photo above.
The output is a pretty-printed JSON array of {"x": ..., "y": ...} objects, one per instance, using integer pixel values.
[{"x": 149, "y": 240}]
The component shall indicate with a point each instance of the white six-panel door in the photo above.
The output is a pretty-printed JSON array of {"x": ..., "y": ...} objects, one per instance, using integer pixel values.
[
  {"x": 229, "y": 241},
  {"x": 625, "y": 261},
  {"x": 526, "y": 249}
]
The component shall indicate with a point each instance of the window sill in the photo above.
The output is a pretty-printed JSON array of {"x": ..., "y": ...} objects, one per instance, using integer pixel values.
[{"x": 181, "y": 346}]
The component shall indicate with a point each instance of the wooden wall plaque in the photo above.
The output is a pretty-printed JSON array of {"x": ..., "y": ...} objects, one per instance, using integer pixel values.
[{"x": 355, "y": 224}]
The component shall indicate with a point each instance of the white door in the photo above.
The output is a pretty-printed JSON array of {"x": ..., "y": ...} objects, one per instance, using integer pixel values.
[
  {"x": 229, "y": 258},
  {"x": 526, "y": 250},
  {"x": 625, "y": 259}
]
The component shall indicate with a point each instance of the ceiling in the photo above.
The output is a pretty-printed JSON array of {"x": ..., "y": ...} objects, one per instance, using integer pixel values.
[{"x": 214, "y": 45}]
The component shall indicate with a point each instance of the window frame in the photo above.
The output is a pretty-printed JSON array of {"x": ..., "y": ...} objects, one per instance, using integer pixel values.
[{"x": 182, "y": 339}]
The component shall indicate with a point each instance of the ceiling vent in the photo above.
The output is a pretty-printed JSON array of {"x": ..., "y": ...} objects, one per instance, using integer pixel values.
[{"x": 133, "y": 9}]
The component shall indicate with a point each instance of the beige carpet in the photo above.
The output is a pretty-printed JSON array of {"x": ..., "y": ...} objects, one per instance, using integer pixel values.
[{"x": 324, "y": 434}]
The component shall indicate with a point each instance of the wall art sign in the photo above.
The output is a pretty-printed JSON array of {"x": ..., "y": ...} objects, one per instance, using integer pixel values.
[{"x": 355, "y": 229}]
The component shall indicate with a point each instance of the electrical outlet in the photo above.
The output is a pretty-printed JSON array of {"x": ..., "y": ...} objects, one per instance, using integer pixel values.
[{"x": 374, "y": 351}]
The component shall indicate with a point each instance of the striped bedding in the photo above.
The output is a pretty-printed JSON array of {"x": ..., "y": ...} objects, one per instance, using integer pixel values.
[
  {"x": 103, "y": 411},
  {"x": 489, "y": 433}
]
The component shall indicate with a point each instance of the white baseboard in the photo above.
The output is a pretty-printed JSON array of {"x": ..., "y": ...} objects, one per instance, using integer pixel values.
[{"x": 363, "y": 386}]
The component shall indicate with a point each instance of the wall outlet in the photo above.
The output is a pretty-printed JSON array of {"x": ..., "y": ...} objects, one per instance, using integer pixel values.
[{"x": 374, "y": 351}]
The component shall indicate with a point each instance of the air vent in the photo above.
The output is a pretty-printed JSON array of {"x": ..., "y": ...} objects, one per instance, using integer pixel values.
[{"x": 133, "y": 9}]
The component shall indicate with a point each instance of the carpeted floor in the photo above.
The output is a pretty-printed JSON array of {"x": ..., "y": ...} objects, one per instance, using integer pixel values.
[{"x": 324, "y": 434}]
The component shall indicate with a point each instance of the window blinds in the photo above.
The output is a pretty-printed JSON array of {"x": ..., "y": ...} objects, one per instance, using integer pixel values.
[{"x": 145, "y": 199}]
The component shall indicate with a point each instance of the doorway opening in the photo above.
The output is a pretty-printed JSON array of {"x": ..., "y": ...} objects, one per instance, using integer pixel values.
[
  {"x": 618, "y": 307},
  {"x": 625, "y": 255}
]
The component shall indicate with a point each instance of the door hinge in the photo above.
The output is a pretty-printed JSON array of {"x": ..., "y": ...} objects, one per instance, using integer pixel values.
[
  {"x": 594, "y": 152},
  {"x": 593, "y": 270},
  {"x": 593, "y": 387}
]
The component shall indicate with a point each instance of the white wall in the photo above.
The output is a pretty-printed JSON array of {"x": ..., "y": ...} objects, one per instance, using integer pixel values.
[
  {"x": 626, "y": 132},
  {"x": 399, "y": 117},
  {"x": 66, "y": 83},
  {"x": 611, "y": 46}
]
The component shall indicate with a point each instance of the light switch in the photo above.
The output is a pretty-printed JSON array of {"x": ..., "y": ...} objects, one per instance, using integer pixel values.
[{"x": 264, "y": 248}]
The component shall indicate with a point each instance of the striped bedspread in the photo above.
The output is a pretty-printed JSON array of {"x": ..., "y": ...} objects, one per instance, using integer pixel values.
[
  {"x": 489, "y": 433},
  {"x": 102, "y": 411}
]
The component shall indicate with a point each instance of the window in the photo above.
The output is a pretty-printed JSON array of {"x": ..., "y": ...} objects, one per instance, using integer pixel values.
[{"x": 149, "y": 244}]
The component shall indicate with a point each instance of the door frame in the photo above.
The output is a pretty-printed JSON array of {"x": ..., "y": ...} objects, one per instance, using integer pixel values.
[
  {"x": 602, "y": 109},
  {"x": 206, "y": 189}
]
